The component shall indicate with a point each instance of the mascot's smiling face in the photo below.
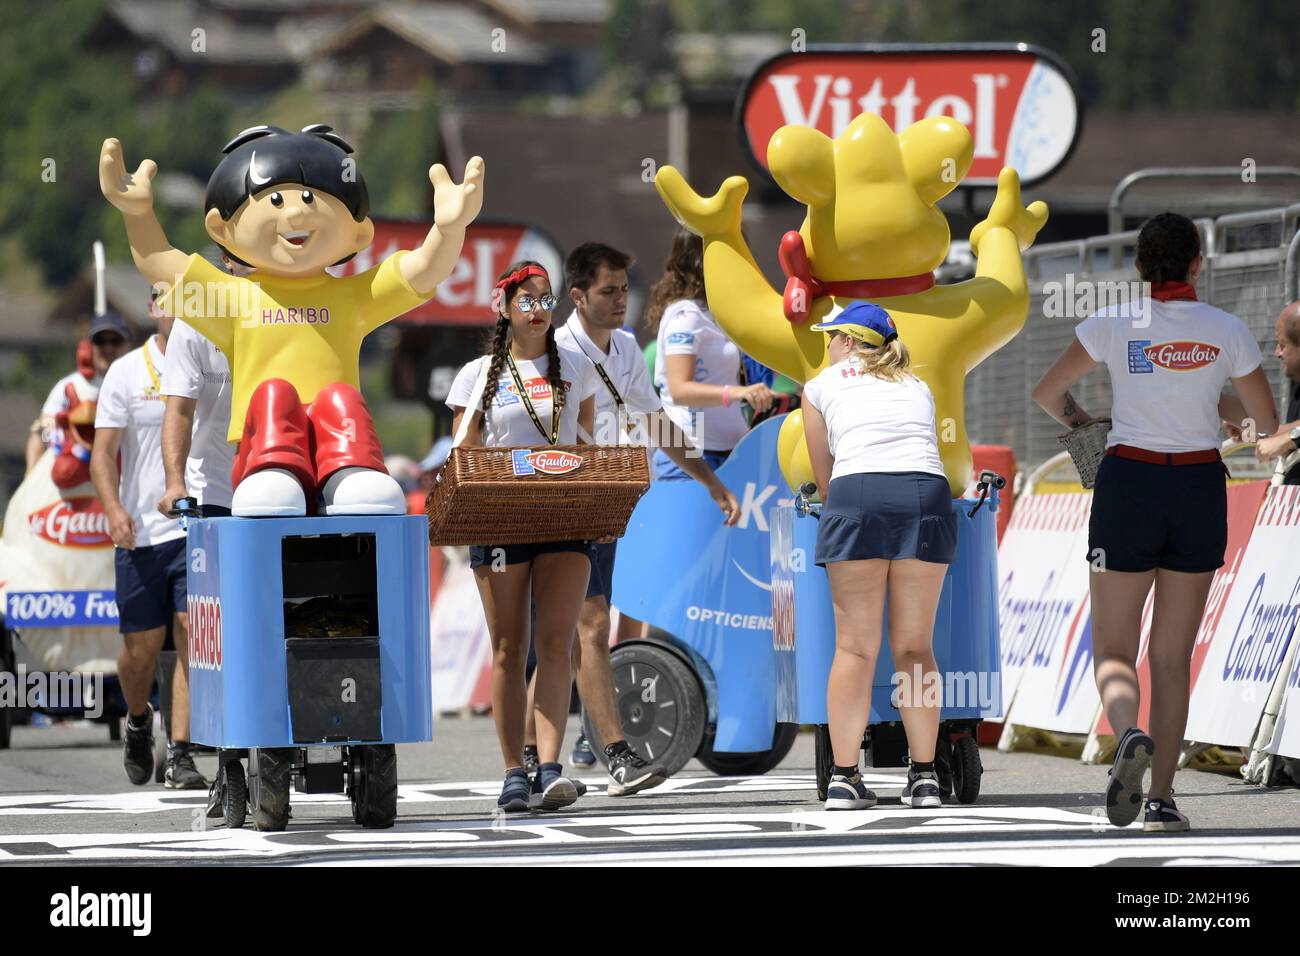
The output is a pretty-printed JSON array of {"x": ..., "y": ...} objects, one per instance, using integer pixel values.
[
  {"x": 288, "y": 204},
  {"x": 290, "y": 230},
  {"x": 871, "y": 194}
]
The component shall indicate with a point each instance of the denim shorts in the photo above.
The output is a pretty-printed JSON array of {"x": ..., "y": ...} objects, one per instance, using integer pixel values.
[{"x": 890, "y": 515}]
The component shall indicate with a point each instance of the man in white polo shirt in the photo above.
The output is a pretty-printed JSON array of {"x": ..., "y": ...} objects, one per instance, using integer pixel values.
[
  {"x": 596, "y": 277},
  {"x": 150, "y": 554}
]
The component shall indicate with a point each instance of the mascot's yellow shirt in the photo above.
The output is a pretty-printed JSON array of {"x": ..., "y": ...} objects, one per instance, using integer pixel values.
[{"x": 305, "y": 331}]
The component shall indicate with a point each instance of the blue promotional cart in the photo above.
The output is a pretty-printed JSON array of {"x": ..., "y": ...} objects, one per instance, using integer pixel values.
[
  {"x": 309, "y": 655},
  {"x": 743, "y": 631}
]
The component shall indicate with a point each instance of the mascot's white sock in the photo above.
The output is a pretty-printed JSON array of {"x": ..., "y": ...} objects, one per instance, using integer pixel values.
[
  {"x": 269, "y": 493},
  {"x": 363, "y": 491}
]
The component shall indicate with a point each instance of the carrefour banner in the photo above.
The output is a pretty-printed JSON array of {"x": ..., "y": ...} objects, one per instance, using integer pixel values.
[
  {"x": 1042, "y": 588},
  {"x": 709, "y": 586},
  {"x": 1251, "y": 638},
  {"x": 1050, "y": 625}
]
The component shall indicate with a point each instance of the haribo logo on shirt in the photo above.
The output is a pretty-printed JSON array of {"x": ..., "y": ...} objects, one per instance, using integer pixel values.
[{"x": 1182, "y": 356}]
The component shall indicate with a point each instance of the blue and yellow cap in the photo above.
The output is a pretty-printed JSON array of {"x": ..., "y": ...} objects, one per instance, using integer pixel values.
[{"x": 865, "y": 321}]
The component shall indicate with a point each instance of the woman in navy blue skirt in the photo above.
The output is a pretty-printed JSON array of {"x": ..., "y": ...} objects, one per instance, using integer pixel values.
[{"x": 887, "y": 530}]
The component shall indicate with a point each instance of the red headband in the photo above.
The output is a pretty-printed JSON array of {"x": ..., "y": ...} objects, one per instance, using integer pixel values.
[{"x": 520, "y": 274}]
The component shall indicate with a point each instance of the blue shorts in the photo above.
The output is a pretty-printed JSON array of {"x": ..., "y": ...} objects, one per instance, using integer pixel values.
[
  {"x": 666, "y": 469},
  {"x": 150, "y": 585},
  {"x": 602, "y": 571},
  {"x": 481, "y": 554},
  {"x": 1147, "y": 516},
  {"x": 891, "y": 515}
]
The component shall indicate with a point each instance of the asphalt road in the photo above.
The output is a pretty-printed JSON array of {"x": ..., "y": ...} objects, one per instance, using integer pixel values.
[{"x": 64, "y": 798}]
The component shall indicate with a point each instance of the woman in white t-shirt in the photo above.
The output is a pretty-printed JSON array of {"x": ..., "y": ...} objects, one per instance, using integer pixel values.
[
  {"x": 528, "y": 392},
  {"x": 697, "y": 368},
  {"x": 887, "y": 531},
  {"x": 1159, "y": 508}
]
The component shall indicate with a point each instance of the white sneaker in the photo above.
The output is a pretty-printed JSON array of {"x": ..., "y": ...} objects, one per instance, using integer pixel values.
[
  {"x": 363, "y": 491},
  {"x": 269, "y": 493}
]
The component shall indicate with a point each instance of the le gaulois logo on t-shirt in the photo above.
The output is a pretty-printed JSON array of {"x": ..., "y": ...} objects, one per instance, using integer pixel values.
[
  {"x": 72, "y": 523},
  {"x": 539, "y": 390},
  {"x": 1182, "y": 356}
]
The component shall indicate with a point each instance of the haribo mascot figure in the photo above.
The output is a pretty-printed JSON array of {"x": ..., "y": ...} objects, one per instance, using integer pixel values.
[
  {"x": 872, "y": 232},
  {"x": 287, "y": 205}
]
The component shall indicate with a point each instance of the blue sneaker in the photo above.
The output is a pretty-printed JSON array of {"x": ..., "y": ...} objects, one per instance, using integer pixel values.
[
  {"x": 551, "y": 789},
  {"x": 514, "y": 792},
  {"x": 582, "y": 755},
  {"x": 848, "y": 793}
]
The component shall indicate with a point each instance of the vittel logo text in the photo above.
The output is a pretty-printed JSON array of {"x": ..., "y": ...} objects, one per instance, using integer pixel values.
[
  {"x": 205, "y": 632},
  {"x": 806, "y": 106}
]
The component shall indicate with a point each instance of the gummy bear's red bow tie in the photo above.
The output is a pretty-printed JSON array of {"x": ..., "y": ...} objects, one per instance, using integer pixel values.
[{"x": 802, "y": 287}]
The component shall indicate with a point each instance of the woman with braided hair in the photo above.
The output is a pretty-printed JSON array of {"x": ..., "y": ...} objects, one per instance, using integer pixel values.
[{"x": 528, "y": 391}]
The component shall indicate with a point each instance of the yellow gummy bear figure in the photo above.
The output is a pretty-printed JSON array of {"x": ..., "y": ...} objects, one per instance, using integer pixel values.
[{"x": 872, "y": 232}]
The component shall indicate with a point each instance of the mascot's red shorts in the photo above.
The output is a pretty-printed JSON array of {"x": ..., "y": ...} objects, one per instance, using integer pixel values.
[{"x": 311, "y": 441}]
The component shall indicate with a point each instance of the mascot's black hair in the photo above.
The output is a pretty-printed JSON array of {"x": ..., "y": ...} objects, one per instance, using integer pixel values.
[{"x": 264, "y": 156}]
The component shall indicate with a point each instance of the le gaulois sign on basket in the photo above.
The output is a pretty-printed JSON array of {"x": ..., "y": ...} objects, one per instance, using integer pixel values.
[
  {"x": 1018, "y": 102},
  {"x": 464, "y": 297}
]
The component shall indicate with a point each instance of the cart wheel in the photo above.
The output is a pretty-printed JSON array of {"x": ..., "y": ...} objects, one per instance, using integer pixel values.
[
  {"x": 269, "y": 770},
  {"x": 660, "y": 703},
  {"x": 967, "y": 768},
  {"x": 160, "y": 759},
  {"x": 825, "y": 758},
  {"x": 943, "y": 761},
  {"x": 234, "y": 794},
  {"x": 750, "y": 764},
  {"x": 372, "y": 785}
]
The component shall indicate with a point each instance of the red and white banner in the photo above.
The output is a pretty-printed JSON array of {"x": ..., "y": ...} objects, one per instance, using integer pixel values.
[
  {"x": 465, "y": 297},
  {"x": 1043, "y": 548},
  {"x": 1251, "y": 635},
  {"x": 1018, "y": 102},
  {"x": 461, "y": 651}
]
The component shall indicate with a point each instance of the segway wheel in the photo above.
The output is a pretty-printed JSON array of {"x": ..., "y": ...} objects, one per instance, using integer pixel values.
[
  {"x": 160, "y": 759},
  {"x": 967, "y": 768},
  {"x": 372, "y": 785},
  {"x": 234, "y": 794},
  {"x": 268, "y": 786},
  {"x": 825, "y": 759}
]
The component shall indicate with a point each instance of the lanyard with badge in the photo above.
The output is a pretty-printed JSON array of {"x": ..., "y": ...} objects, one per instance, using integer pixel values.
[
  {"x": 156, "y": 389},
  {"x": 619, "y": 404},
  {"x": 554, "y": 436}
]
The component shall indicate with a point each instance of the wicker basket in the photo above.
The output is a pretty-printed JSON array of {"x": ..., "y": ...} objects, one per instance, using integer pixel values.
[
  {"x": 519, "y": 495},
  {"x": 1087, "y": 447}
]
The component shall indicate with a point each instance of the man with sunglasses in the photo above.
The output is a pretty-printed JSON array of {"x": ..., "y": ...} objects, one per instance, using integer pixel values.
[{"x": 110, "y": 338}]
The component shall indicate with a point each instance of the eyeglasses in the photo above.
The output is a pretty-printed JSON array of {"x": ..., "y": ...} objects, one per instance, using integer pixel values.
[{"x": 527, "y": 303}]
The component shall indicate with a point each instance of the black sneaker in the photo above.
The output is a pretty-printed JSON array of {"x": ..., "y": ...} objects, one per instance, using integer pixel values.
[
  {"x": 514, "y": 792},
  {"x": 848, "y": 793},
  {"x": 628, "y": 774},
  {"x": 181, "y": 773},
  {"x": 1163, "y": 817},
  {"x": 551, "y": 789},
  {"x": 137, "y": 749},
  {"x": 1124, "y": 791},
  {"x": 922, "y": 790},
  {"x": 582, "y": 755}
]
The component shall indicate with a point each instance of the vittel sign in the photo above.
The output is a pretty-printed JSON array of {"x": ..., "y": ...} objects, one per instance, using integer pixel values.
[{"x": 1019, "y": 102}]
